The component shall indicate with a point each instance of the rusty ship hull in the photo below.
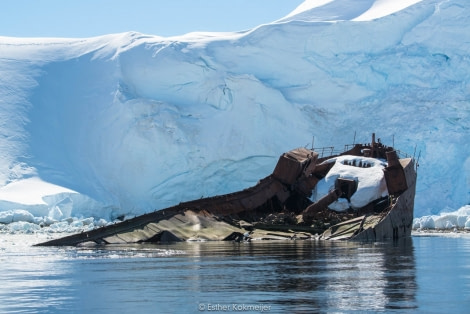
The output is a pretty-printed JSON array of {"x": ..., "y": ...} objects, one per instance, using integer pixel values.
[{"x": 278, "y": 207}]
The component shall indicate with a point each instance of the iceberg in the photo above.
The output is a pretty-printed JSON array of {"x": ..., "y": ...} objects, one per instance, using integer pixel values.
[{"x": 119, "y": 125}]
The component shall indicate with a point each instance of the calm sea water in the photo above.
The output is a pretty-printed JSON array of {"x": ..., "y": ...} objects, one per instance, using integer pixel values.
[{"x": 424, "y": 274}]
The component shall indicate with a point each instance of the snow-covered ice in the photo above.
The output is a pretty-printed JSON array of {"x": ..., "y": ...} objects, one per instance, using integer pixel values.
[
  {"x": 459, "y": 219},
  {"x": 124, "y": 124},
  {"x": 367, "y": 172}
]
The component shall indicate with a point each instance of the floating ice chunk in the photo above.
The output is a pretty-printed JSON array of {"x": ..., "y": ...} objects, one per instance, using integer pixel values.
[
  {"x": 425, "y": 222},
  {"x": 467, "y": 223},
  {"x": 76, "y": 224},
  {"x": 61, "y": 226},
  {"x": 101, "y": 223},
  {"x": 22, "y": 215},
  {"x": 461, "y": 221},
  {"x": 6, "y": 217},
  {"x": 48, "y": 221},
  {"x": 23, "y": 227},
  {"x": 449, "y": 220},
  {"x": 88, "y": 221},
  {"x": 464, "y": 211},
  {"x": 17, "y": 215},
  {"x": 446, "y": 221}
]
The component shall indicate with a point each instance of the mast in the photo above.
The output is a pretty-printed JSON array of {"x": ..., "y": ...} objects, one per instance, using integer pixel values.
[{"x": 373, "y": 146}]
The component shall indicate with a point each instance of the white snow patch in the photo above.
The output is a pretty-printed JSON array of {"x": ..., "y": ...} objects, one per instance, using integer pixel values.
[
  {"x": 308, "y": 5},
  {"x": 340, "y": 10},
  {"x": 367, "y": 172},
  {"x": 30, "y": 191},
  {"x": 381, "y": 8}
]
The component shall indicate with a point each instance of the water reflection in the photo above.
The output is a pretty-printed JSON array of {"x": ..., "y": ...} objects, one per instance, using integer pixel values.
[
  {"x": 33, "y": 281},
  {"x": 287, "y": 276},
  {"x": 311, "y": 276}
]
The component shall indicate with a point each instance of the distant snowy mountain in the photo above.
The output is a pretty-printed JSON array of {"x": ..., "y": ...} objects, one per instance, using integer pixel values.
[{"x": 127, "y": 123}]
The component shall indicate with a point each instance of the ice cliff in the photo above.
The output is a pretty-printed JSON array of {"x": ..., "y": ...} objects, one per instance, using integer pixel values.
[{"x": 127, "y": 123}]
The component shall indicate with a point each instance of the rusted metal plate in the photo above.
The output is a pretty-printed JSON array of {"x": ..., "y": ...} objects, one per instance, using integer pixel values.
[{"x": 292, "y": 163}]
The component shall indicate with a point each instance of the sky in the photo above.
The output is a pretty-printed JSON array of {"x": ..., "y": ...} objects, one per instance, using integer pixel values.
[{"x": 88, "y": 18}]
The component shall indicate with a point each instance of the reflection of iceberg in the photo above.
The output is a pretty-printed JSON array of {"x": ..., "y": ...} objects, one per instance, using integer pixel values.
[
  {"x": 35, "y": 281},
  {"x": 381, "y": 195}
]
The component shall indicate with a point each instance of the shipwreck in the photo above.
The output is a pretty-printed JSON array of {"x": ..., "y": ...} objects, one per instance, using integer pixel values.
[{"x": 366, "y": 193}]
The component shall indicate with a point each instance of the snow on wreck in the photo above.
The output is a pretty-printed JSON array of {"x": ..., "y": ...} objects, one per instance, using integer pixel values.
[{"x": 364, "y": 193}]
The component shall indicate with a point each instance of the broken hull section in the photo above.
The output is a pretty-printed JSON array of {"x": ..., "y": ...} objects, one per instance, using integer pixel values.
[
  {"x": 278, "y": 207},
  {"x": 392, "y": 223}
]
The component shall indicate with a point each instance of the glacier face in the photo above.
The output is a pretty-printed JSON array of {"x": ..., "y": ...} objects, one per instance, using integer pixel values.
[{"x": 130, "y": 123}]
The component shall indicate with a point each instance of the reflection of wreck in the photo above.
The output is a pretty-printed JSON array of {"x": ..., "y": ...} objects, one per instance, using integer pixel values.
[{"x": 279, "y": 206}]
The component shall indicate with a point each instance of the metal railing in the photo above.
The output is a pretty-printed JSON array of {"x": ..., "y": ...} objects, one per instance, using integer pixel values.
[
  {"x": 331, "y": 150},
  {"x": 402, "y": 154}
]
